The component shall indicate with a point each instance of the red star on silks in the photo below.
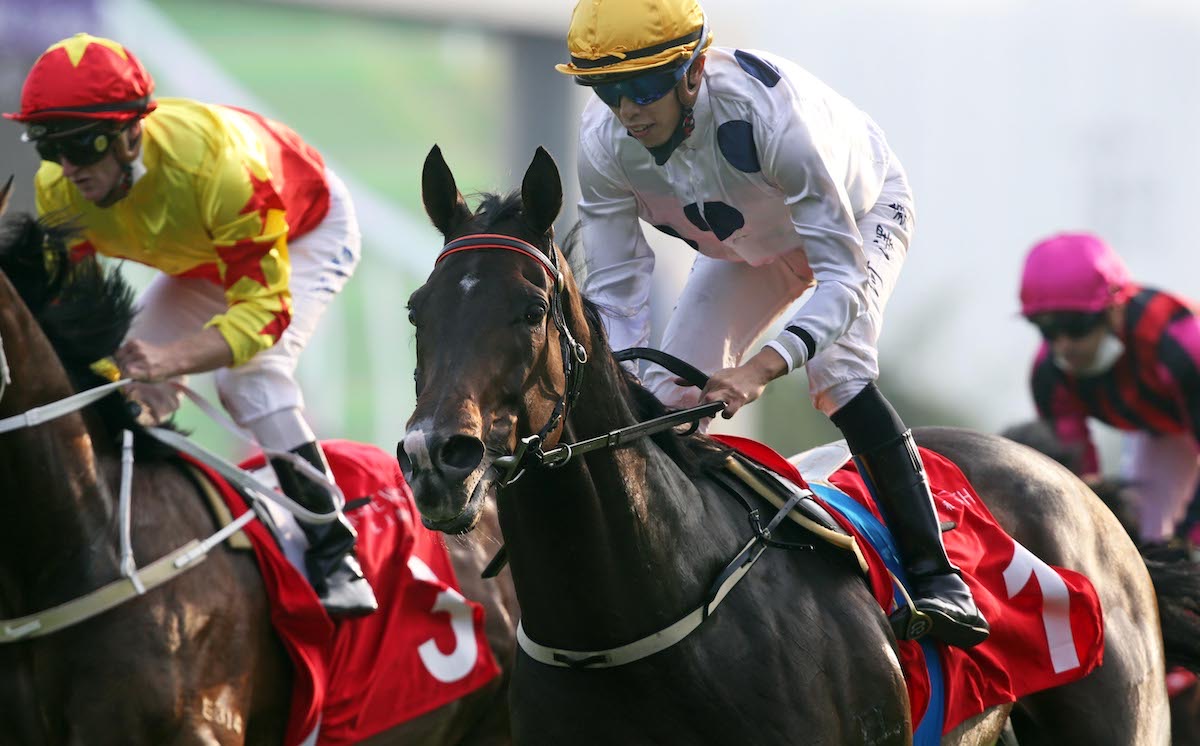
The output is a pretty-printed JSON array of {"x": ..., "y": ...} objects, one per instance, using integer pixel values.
[
  {"x": 279, "y": 322},
  {"x": 263, "y": 197},
  {"x": 244, "y": 259}
]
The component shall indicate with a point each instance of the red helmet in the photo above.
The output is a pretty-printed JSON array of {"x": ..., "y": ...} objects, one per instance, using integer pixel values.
[{"x": 86, "y": 77}]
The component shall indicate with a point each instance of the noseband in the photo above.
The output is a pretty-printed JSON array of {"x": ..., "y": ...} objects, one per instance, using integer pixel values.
[{"x": 574, "y": 356}]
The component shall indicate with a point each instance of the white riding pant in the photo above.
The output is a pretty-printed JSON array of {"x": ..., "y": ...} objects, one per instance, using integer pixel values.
[
  {"x": 725, "y": 306},
  {"x": 262, "y": 394},
  {"x": 1163, "y": 471}
]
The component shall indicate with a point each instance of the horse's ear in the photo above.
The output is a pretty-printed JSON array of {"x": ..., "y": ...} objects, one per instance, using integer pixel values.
[
  {"x": 541, "y": 192},
  {"x": 5, "y": 193},
  {"x": 443, "y": 202}
]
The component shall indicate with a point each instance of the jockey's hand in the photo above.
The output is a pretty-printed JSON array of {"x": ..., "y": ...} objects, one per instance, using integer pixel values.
[
  {"x": 143, "y": 361},
  {"x": 196, "y": 353},
  {"x": 157, "y": 401},
  {"x": 741, "y": 385}
]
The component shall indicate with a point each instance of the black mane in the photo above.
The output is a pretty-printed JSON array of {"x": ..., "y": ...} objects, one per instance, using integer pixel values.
[
  {"x": 693, "y": 453},
  {"x": 83, "y": 309}
]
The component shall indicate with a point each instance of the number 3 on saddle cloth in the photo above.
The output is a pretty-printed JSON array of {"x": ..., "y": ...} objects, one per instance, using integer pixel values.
[
  {"x": 1047, "y": 628},
  {"x": 423, "y": 648}
]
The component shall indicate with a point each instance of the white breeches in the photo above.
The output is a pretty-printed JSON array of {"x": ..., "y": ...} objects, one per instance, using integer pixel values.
[
  {"x": 1163, "y": 471},
  {"x": 263, "y": 390}
]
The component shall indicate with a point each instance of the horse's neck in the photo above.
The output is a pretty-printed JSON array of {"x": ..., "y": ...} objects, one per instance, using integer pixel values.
[
  {"x": 611, "y": 546},
  {"x": 53, "y": 504}
]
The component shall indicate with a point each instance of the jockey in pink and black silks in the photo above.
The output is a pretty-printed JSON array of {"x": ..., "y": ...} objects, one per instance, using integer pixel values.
[
  {"x": 253, "y": 236},
  {"x": 1126, "y": 355},
  {"x": 781, "y": 186}
]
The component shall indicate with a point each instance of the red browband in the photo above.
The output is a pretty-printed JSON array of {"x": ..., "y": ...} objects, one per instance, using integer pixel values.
[{"x": 506, "y": 243}]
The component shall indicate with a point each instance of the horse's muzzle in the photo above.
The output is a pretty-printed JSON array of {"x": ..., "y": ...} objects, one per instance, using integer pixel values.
[{"x": 448, "y": 477}]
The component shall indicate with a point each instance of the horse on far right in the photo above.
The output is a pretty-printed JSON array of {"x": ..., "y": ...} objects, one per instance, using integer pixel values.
[{"x": 1171, "y": 570}]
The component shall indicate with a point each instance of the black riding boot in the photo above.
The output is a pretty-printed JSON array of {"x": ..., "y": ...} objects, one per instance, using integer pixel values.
[
  {"x": 332, "y": 567},
  {"x": 890, "y": 457}
]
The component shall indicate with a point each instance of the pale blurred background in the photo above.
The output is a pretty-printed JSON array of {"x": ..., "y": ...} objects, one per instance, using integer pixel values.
[{"x": 1014, "y": 118}]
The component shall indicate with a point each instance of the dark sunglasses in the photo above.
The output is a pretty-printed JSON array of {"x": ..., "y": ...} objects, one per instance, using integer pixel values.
[
  {"x": 81, "y": 149},
  {"x": 647, "y": 87},
  {"x": 643, "y": 89},
  {"x": 1073, "y": 325}
]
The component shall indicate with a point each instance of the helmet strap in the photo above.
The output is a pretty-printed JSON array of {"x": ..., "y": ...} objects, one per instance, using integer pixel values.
[
  {"x": 126, "y": 149},
  {"x": 687, "y": 123},
  {"x": 121, "y": 188}
]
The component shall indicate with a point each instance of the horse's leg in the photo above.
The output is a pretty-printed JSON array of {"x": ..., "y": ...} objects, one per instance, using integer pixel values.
[{"x": 1053, "y": 514}]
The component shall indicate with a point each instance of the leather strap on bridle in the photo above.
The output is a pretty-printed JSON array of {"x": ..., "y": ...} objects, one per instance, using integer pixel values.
[{"x": 574, "y": 356}]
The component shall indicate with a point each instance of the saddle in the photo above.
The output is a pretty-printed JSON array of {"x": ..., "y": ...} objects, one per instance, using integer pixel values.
[{"x": 748, "y": 482}]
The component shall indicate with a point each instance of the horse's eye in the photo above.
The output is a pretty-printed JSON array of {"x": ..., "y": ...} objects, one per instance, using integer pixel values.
[
  {"x": 534, "y": 314},
  {"x": 412, "y": 317}
]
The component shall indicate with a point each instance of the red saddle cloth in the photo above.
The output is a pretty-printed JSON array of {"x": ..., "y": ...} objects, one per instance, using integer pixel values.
[
  {"x": 423, "y": 648},
  {"x": 1047, "y": 627}
]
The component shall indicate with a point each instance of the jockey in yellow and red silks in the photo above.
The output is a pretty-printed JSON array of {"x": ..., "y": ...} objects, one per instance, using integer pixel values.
[{"x": 253, "y": 234}]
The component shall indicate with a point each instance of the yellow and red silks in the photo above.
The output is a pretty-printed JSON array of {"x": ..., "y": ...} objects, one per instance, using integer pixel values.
[{"x": 223, "y": 192}]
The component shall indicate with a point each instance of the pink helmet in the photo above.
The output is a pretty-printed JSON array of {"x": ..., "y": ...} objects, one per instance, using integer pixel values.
[{"x": 1073, "y": 272}]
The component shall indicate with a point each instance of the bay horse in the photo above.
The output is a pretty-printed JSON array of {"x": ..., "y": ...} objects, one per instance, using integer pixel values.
[
  {"x": 192, "y": 661},
  {"x": 612, "y": 546}
]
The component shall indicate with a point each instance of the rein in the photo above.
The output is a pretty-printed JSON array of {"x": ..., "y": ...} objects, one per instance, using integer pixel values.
[{"x": 134, "y": 581}]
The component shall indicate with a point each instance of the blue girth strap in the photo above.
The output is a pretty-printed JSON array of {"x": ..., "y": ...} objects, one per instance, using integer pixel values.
[{"x": 929, "y": 731}]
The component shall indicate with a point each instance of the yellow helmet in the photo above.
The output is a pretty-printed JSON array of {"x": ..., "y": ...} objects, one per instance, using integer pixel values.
[{"x": 614, "y": 37}]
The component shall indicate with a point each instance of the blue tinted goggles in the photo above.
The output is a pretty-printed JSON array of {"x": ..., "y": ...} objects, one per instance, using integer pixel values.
[{"x": 643, "y": 89}]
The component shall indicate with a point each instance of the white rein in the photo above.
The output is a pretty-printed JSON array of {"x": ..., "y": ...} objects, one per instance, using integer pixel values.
[{"x": 136, "y": 582}]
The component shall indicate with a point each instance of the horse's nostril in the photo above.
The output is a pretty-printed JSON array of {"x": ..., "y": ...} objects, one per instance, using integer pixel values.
[
  {"x": 406, "y": 465},
  {"x": 461, "y": 453}
]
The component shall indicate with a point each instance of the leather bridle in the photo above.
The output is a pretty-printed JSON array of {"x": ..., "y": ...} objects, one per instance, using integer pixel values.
[{"x": 574, "y": 356}]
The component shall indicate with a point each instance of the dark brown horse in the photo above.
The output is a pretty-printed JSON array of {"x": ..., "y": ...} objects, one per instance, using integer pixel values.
[
  {"x": 193, "y": 661},
  {"x": 1174, "y": 574},
  {"x": 617, "y": 544}
]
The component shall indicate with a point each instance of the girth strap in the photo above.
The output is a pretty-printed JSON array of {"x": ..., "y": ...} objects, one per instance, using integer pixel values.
[
  {"x": 725, "y": 581},
  {"x": 102, "y": 599}
]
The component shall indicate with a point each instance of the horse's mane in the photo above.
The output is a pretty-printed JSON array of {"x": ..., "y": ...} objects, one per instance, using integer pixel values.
[
  {"x": 693, "y": 453},
  {"x": 83, "y": 309}
]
